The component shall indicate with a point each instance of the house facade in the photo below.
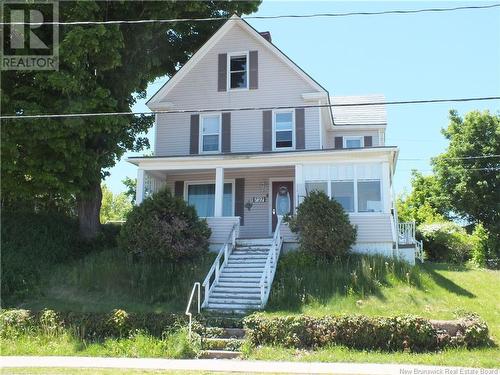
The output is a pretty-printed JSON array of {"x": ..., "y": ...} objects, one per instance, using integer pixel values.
[{"x": 243, "y": 134}]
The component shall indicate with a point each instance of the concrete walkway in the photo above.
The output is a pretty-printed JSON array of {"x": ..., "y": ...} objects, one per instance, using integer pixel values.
[{"x": 236, "y": 366}]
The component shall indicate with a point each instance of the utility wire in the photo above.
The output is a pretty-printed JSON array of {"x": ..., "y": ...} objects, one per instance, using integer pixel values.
[
  {"x": 178, "y": 111},
  {"x": 456, "y": 158},
  {"x": 315, "y": 15}
]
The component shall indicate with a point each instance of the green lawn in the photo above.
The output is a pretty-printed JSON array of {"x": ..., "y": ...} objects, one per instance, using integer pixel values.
[
  {"x": 108, "y": 280},
  {"x": 436, "y": 291},
  {"x": 369, "y": 286}
]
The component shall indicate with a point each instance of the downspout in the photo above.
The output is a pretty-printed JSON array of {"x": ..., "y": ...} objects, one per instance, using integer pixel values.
[{"x": 395, "y": 211}]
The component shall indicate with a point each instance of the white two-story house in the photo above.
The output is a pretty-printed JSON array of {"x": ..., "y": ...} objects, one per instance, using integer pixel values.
[{"x": 243, "y": 134}]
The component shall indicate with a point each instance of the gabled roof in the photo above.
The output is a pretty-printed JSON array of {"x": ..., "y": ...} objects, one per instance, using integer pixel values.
[{"x": 234, "y": 21}]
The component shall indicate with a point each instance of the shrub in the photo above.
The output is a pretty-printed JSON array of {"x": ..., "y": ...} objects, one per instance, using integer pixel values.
[
  {"x": 323, "y": 226},
  {"x": 446, "y": 241},
  {"x": 88, "y": 326},
  {"x": 399, "y": 333},
  {"x": 164, "y": 227}
]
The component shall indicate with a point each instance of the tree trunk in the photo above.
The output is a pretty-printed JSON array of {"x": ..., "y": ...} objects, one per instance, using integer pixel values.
[{"x": 89, "y": 208}]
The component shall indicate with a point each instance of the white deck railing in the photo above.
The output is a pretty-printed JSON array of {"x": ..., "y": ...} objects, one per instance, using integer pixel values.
[
  {"x": 407, "y": 236},
  {"x": 225, "y": 251},
  {"x": 406, "y": 233},
  {"x": 267, "y": 277}
]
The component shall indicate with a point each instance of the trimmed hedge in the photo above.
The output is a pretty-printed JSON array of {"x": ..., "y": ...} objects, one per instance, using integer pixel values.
[{"x": 399, "y": 333}]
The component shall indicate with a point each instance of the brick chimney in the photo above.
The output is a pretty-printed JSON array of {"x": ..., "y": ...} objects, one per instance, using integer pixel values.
[{"x": 266, "y": 35}]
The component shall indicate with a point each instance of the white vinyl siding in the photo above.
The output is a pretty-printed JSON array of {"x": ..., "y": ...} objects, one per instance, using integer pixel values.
[{"x": 279, "y": 85}]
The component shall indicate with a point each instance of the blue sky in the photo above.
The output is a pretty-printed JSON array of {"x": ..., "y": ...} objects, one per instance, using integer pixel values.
[{"x": 420, "y": 56}]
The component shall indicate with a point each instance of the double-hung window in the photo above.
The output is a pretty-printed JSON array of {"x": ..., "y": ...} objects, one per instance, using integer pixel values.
[
  {"x": 283, "y": 130},
  {"x": 202, "y": 197},
  {"x": 238, "y": 71},
  {"x": 210, "y": 133}
]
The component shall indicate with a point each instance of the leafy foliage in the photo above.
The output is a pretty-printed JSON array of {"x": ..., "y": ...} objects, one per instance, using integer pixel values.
[
  {"x": 130, "y": 184},
  {"x": 426, "y": 202},
  {"x": 30, "y": 244},
  {"x": 471, "y": 181},
  {"x": 164, "y": 228},
  {"x": 118, "y": 333},
  {"x": 398, "y": 333},
  {"x": 447, "y": 241},
  {"x": 323, "y": 225},
  {"x": 114, "y": 207},
  {"x": 103, "y": 68}
]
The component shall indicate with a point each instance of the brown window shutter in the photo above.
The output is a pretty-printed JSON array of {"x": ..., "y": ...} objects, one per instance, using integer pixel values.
[
  {"x": 222, "y": 72},
  {"x": 368, "y": 141},
  {"x": 339, "y": 142},
  {"x": 226, "y": 132},
  {"x": 253, "y": 81},
  {"x": 194, "y": 144},
  {"x": 300, "y": 129},
  {"x": 267, "y": 130},
  {"x": 179, "y": 189},
  {"x": 239, "y": 199}
]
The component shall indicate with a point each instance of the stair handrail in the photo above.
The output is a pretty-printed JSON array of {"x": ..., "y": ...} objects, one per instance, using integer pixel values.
[
  {"x": 271, "y": 263},
  {"x": 225, "y": 250},
  {"x": 188, "y": 308}
]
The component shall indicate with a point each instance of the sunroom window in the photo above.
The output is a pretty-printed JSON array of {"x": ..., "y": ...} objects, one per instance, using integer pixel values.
[
  {"x": 369, "y": 196},
  {"x": 210, "y": 133},
  {"x": 343, "y": 192},
  {"x": 316, "y": 186},
  {"x": 202, "y": 197},
  {"x": 283, "y": 130},
  {"x": 238, "y": 72}
]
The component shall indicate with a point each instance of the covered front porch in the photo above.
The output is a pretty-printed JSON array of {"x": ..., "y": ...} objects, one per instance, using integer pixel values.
[{"x": 250, "y": 197}]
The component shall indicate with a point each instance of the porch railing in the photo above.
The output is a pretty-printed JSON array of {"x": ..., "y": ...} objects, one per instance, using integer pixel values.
[
  {"x": 224, "y": 253},
  {"x": 267, "y": 277},
  {"x": 406, "y": 236},
  {"x": 406, "y": 233}
]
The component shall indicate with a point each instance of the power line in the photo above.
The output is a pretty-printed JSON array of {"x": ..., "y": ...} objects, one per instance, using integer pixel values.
[
  {"x": 314, "y": 15},
  {"x": 456, "y": 158},
  {"x": 179, "y": 111}
]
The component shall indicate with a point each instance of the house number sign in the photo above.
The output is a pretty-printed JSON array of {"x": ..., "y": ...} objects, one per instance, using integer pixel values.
[{"x": 261, "y": 199}]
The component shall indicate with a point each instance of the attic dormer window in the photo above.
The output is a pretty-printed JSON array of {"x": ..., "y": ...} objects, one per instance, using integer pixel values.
[{"x": 238, "y": 71}]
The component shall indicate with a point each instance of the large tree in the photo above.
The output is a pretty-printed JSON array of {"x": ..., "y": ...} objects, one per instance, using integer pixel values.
[
  {"x": 426, "y": 202},
  {"x": 468, "y": 173},
  {"x": 103, "y": 68}
]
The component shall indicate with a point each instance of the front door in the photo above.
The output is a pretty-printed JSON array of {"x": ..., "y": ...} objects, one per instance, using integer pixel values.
[{"x": 282, "y": 200}]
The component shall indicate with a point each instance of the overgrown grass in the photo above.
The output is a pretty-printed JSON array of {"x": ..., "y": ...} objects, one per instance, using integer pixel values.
[
  {"x": 63, "y": 343},
  {"x": 103, "y": 281},
  {"x": 376, "y": 286}
]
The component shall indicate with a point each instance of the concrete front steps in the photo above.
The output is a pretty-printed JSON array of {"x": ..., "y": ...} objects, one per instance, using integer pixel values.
[
  {"x": 222, "y": 343},
  {"x": 238, "y": 288}
]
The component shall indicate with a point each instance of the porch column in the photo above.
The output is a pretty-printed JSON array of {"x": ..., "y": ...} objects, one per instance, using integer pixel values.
[
  {"x": 300, "y": 189},
  {"x": 139, "y": 188},
  {"x": 386, "y": 187},
  {"x": 219, "y": 191}
]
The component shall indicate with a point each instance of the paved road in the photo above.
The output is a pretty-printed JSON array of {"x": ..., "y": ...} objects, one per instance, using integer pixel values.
[{"x": 242, "y": 366}]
